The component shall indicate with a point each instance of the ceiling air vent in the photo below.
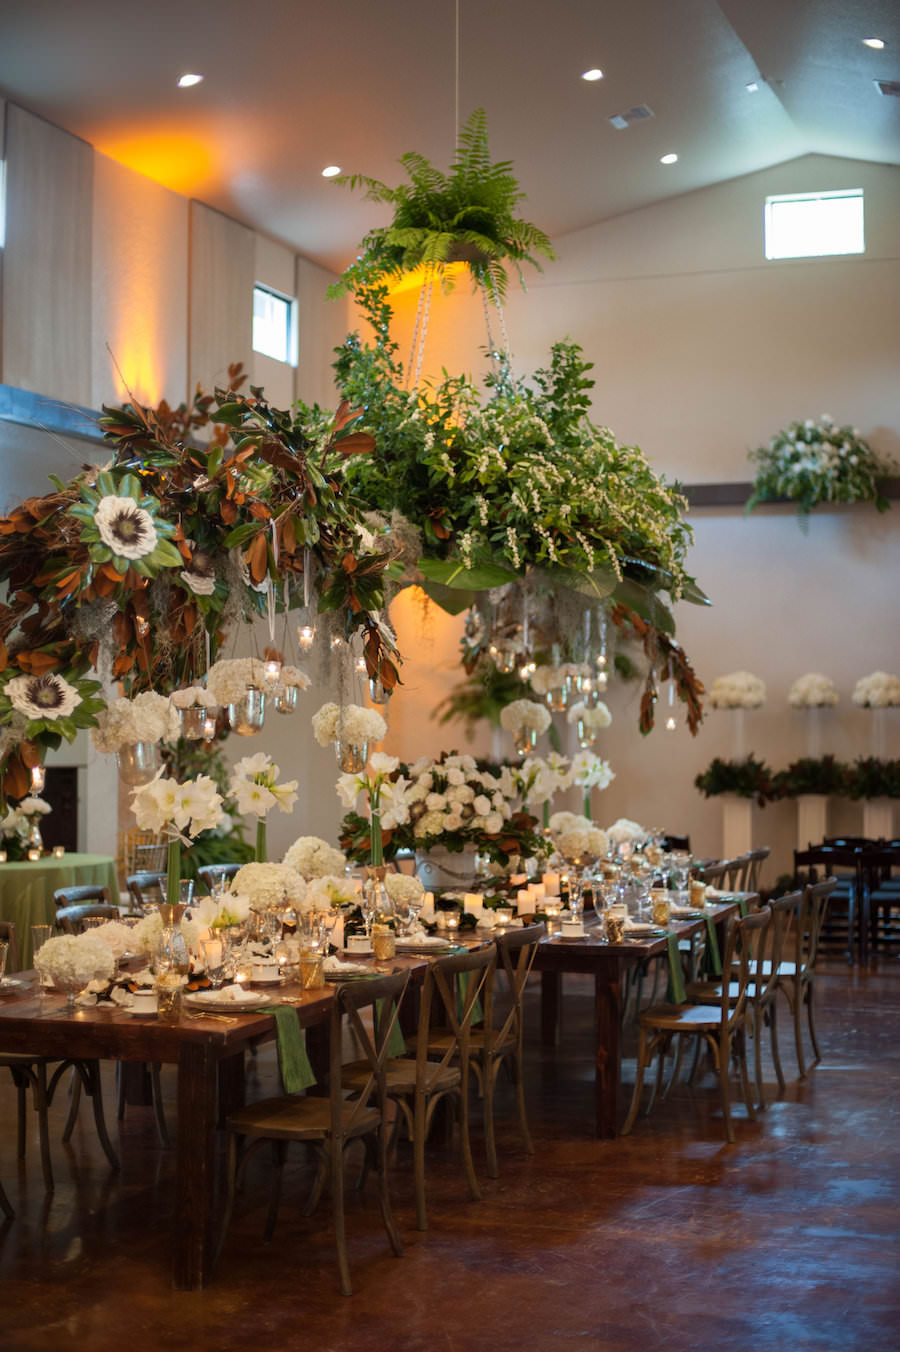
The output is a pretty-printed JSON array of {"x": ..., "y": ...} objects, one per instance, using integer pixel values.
[
  {"x": 638, "y": 114},
  {"x": 890, "y": 88}
]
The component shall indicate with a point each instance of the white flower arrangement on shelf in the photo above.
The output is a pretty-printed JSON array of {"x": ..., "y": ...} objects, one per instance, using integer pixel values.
[
  {"x": 191, "y": 697},
  {"x": 525, "y": 715},
  {"x": 351, "y": 723},
  {"x": 47, "y": 696},
  {"x": 626, "y": 832},
  {"x": 254, "y": 787},
  {"x": 229, "y": 680},
  {"x": 311, "y": 857},
  {"x": 813, "y": 691},
  {"x": 576, "y": 836},
  {"x": 879, "y": 690},
  {"x": 70, "y": 959},
  {"x": 589, "y": 771},
  {"x": 738, "y": 690},
  {"x": 330, "y": 891},
  {"x": 270, "y": 886},
  {"x": 403, "y": 888},
  {"x": 148, "y": 717},
  {"x": 593, "y": 716},
  {"x": 166, "y": 807}
]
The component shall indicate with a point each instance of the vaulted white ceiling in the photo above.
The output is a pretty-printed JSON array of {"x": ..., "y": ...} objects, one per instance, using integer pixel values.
[{"x": 291, "y": 86}]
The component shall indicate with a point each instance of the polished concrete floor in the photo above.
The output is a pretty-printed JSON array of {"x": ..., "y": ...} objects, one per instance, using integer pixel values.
[{"x": 790, "y": 1239}]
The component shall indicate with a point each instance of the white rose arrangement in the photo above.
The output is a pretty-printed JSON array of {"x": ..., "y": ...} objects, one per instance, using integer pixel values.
[
  {"x": 525, "y": 715},
  {"x": 737, "y": 690},
  {"x": 270, "y": 887},
  {"x": 146, "y": 718},
  {"x": 880, "y": 690},
  {"x": 311, "y": 857},
  {"x": 813, "y": 691},
  {"x": 352, "y": 723}
]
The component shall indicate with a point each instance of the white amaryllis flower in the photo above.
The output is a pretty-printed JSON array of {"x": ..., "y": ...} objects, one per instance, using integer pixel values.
[
  {"x": 525, "y": 713},
  {"x": 125, "y": 528},
  {"x": 48, "y": 696},
  {"x": 813, "y": 691},
  {"x": 313, "y": 857}
]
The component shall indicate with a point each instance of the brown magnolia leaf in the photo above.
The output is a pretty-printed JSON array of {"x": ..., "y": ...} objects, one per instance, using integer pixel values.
[{"x": 258, "y": 557}]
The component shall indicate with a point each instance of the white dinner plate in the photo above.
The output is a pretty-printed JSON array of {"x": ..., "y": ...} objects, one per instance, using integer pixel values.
[{"x": 212, "y": 1000}]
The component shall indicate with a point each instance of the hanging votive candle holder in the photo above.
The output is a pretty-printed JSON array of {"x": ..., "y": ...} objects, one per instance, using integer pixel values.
[
  {"x": 193, "y": 722},
  {"x": 352, "y": 756},
  {"x": 525, "y": 740},
  {"x": 286, "y": 699},
  {"x": 247, "y": 715},
  {"x": 139, "y": 762},
  {"x": 377, "y": 693}
]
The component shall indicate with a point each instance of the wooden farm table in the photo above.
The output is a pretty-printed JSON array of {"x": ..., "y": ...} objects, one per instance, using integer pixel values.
[
  {"x": 209, "y": 1055},
  {"x": 608, "y": 964}
]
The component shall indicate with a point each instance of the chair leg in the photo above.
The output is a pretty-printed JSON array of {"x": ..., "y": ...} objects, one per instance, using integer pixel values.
[
  {"x": 725, "y": 1092},
  {"x": 74, "y": 1104},
  {"x": 776, "y": 1054},
  {"x": 337, "y": 1207},
  {"x": 638, "y": 1083},
  {"x": 811, "y": 1020},
  {"x": 91, "y": 1072},
  {"x": 279, "y": 1151},
  {"x": 159, "y": 1111}
]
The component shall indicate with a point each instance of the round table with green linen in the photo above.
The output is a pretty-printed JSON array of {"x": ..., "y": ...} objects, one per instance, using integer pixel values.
[{"x": 26, "y": 890}]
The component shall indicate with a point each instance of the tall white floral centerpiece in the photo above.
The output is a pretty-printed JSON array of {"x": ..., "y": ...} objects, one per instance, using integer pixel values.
[
  {"x": 737, "y": 691},
  {"x": 879, "y": 691},
  {"x": 255, "y": 789},
  {"x": 351, "y": 728},
  {"x": 179, "y": 812},
  {"x": 812, "y": 693}
]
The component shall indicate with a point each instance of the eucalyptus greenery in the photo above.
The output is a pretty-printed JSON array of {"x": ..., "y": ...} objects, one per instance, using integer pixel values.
[{"x": 468, "y": 215}]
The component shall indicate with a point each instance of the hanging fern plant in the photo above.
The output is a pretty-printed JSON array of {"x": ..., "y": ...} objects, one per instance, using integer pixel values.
[{"x": 469, "y": 215}]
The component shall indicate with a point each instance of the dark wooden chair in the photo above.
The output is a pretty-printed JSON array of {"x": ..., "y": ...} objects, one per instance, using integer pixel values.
[
  {"x": 720, "y": 1024},
  {"x": 329, "y": 1125}
]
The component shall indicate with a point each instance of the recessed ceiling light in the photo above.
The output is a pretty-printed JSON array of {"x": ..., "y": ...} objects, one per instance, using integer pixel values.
[
  {"x": 752, "y": 87},
  {"x": 877, "y": 44},
  {"x": 593, "y": 74},
  {"x": 668, "y": 159},
  {"x": 330, "y": 170},
  {"x": 185, "y": 81}
]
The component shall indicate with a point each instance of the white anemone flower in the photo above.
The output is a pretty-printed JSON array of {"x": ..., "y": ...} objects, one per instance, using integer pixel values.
[
  {"x": 125, "y": 528},
  {"x": 48, "y": 696}
]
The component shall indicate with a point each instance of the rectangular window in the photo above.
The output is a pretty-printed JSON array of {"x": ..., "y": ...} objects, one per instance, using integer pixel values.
[
  {"x": 274, "y": 325},
  {"x": 813, "y": 224}
]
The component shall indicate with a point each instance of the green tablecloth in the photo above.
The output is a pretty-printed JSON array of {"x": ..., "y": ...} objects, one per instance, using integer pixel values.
[{"x": 26, "y": 891}]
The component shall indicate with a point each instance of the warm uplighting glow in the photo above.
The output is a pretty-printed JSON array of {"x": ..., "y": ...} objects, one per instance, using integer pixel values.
[
  {"x": 592, "y": 74},
  {"x": 877, "y": 44},
  {"x": 668, "y": 159},
  {"x": 331, "y": 170},
  {"x": 185, "y": 81}
]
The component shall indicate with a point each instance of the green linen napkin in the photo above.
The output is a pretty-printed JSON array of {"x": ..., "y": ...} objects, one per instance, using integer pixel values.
[
  {"x": 711, "y": 959},
  {"x": 676, "y": 992},
  {"x": 293, "y": 1061}
]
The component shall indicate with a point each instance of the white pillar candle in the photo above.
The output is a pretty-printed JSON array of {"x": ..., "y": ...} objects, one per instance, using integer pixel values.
[
  {"x": 474, "y": 904},
  {"x": 551, "y": 883},
  {"x": 525, "y": 902},
  {"x": 428, "y": 907}
]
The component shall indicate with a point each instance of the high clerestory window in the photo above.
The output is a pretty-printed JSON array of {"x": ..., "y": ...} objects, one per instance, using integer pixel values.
[
  {"x": 815, "y": 224},
  {"x": 274, "y": 324}
]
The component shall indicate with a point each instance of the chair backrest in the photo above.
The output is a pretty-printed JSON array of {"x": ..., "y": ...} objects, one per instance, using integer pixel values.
[
  {"x": 76, "y": 896},
  {"x": 70, "y": 919},
  {"x": 8, "y": 936},
  {"x": 457, "y": 982},
  {"x": 745, "y": 943},
  {"x": 385, "y": 994},
  {"x": 146, "y": 889},
  {"x": 755, "y": 861},
  {"x": 516, "y": 950},
  {"x": 211, "y": 875}
]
